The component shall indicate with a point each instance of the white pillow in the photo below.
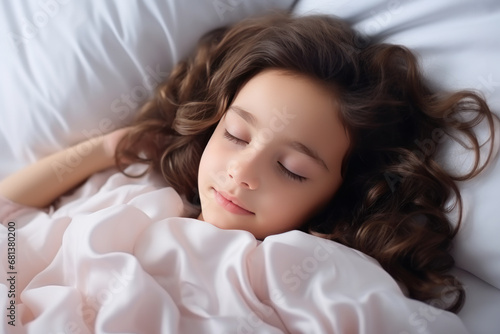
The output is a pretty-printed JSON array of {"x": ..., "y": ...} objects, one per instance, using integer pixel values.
[
  {"x": 459, "y": 48},
  {"x": 75, "y": 69}
]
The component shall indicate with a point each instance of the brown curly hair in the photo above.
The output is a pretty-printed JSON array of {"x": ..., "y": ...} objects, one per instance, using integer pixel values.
[{"x": 392, "y": 204}]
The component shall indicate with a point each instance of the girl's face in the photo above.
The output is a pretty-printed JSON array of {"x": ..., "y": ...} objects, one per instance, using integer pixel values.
[{"x": 275, "y": 157}]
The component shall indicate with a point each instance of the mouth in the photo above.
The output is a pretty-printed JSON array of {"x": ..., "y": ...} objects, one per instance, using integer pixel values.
[{"x": 228, "y": 203}]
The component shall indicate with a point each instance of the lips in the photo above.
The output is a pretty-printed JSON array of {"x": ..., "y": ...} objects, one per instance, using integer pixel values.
[{"x": 230, "y": 204}]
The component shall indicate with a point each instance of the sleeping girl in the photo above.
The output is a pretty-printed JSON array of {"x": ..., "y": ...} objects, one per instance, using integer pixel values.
[{"x": 283, "y": 123}]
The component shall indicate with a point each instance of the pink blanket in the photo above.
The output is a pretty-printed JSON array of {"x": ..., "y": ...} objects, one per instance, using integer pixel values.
[{"x": 115, "y": 257}]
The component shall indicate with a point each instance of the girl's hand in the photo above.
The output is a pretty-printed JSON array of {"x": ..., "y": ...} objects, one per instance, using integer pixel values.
[{"x": 111, "y": 140}]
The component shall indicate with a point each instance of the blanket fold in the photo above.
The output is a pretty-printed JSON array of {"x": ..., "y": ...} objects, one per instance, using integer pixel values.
[{"x": 117, "y": 256}]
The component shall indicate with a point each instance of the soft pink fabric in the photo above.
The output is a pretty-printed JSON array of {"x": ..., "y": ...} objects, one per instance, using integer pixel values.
[{"x": 115, "y": 257}]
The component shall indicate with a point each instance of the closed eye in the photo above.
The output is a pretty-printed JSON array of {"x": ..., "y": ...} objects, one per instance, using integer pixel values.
[
  {"x": 234, "y": 139},
  {"x": 282, "y": 168},
  {"x": 290, "y": 174}
]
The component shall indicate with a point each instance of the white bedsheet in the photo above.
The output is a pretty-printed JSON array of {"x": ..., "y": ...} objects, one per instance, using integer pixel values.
[{"x": 109, "y": 260}]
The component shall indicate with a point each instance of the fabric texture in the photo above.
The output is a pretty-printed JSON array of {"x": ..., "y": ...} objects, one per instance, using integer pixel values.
[
  {"x": 72, "y": 70},
  {"x": 117, "y": 256}
]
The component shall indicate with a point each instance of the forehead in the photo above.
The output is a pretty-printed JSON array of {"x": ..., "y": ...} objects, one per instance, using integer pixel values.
[
  {"x": 272, "y": 91},
  {"x": 296, "y": 108}
]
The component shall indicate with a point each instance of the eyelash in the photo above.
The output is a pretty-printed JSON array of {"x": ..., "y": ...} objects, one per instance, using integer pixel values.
[
  {"x": 282, "y": 168},
  {"x": 289, "y": 174},
  {"x": 234, "y": 139}
]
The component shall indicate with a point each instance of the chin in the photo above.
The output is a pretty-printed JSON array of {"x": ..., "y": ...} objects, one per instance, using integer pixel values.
[
  {"x": 218, "y": 220},
  {"x": 222, "y": 221}
]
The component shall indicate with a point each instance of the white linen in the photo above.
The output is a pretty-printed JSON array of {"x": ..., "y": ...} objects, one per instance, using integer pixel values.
[
  {"x": 73, "y": 69},
  {"x": 109, "y": 260}
]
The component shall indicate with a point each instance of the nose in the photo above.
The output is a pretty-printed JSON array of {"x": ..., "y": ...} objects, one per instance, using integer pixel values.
[{"x": 244, "y": 172}]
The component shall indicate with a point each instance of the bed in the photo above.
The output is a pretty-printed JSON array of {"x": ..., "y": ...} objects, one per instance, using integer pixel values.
[{"x": 107, "y": 260}]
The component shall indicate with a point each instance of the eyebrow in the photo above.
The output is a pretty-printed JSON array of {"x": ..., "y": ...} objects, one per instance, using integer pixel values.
[
  {"x": 248, "y": 117},
  {"x": 298, "y": 146},
  {"x": 309, "y": 152}
]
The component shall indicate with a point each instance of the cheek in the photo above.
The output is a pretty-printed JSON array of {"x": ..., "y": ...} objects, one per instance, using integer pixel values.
[
  {"x": 292, "y": 207},
  {"x": 211, "y": 163},
  {"x": 283, "y": 206},
  {"x": 283, "y": 219}
]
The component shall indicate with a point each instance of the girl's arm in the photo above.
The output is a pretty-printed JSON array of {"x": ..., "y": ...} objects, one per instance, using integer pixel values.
[{"x": 39, "y": 184}]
